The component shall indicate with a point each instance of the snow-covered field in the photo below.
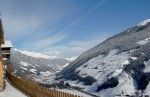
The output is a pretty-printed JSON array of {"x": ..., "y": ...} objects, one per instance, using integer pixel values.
[
  {"x": 147, "y": 90},
  {"x": 103, "y": 68},
  {"x": 145, "y": 41},
  {"x": 10, "y": 91},
  {"x": 147, "y": 66},
  {"x": 75, "y": 92}
]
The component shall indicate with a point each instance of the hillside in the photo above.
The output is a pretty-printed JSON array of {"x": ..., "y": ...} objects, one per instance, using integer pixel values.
[
  {"x": 117, "y": 66},
  {"x": 36, "y": 66}
]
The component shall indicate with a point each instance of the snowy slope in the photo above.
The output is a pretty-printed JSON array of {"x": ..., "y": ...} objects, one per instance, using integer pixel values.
[
  {"x": 118, "y": 66},
  {"x": 145, "y": 41},
  {"x": 36, "y": 66},
  {"x": 10, "y": 91},
  {"x": 144, "y": 22},
  {"x": 103, "y": 68}
]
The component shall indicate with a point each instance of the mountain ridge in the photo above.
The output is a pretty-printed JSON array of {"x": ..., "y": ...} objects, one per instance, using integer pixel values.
[
  {"x": 104, "y": 66},
  {"x": 133, "y": 29},
  {"x": 36, "y": 65}
]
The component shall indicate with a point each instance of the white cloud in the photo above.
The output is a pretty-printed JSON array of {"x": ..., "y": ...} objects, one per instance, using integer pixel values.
[
  {"x": 70, "y": 49},
  {"x": 85, "y": 43},
  {"x": 22, "y": 20},
  {"x": 19, "y": 26},
  {"x": 73, "y": 48},
  {"x": 64, "y": 51},
  {"x": 50, "y": 40}
]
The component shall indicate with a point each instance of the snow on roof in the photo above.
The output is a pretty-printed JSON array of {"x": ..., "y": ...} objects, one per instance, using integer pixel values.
[{"x": 7, "y": 44}]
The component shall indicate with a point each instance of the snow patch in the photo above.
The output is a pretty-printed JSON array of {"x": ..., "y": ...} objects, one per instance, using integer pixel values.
[
  {"x": 24, "y": 63},
  {"x": 134, "y": 58},
  {"x": 144, "y": 22},
  {"x": 126, "y": 62},
  {"x": 147, "y": 89},
  {"x": 33, "y": 70},
  {"x": 145, "y": 41},
  {"x": 47, "y": 73},
  {"x": 125, "y": 86},
  {"x": 147, "y": 66},
  {"x": 65, "y": 65},
  {"x": 23, "y": 68},
  {"x": 115, "y": 74}
]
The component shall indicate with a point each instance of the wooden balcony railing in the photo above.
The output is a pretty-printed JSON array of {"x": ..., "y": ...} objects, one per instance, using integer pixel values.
[{"x": 5, "y": 51}]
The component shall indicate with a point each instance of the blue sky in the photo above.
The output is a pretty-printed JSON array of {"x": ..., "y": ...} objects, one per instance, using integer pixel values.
[{"x": 67, "y": 28}]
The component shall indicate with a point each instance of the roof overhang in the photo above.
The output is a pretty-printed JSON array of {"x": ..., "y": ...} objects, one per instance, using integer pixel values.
[{"x": 7, "y": 44}]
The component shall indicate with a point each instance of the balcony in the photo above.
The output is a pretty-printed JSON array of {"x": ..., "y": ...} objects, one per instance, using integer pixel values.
[{"x": 5, "y": 52}]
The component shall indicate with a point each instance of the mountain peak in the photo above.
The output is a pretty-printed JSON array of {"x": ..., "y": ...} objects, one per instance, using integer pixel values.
[{"x": 145, "y": 22}]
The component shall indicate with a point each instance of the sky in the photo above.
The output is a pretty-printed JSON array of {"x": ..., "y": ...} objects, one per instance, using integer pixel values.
[{"x": 67, "y": 28}]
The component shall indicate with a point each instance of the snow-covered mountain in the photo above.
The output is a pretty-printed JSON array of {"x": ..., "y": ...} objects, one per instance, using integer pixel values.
[
  {"x": 36, "y": 66},
  {"x": 71, "y": 59},
  {"x": 118, "y": 66}
]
